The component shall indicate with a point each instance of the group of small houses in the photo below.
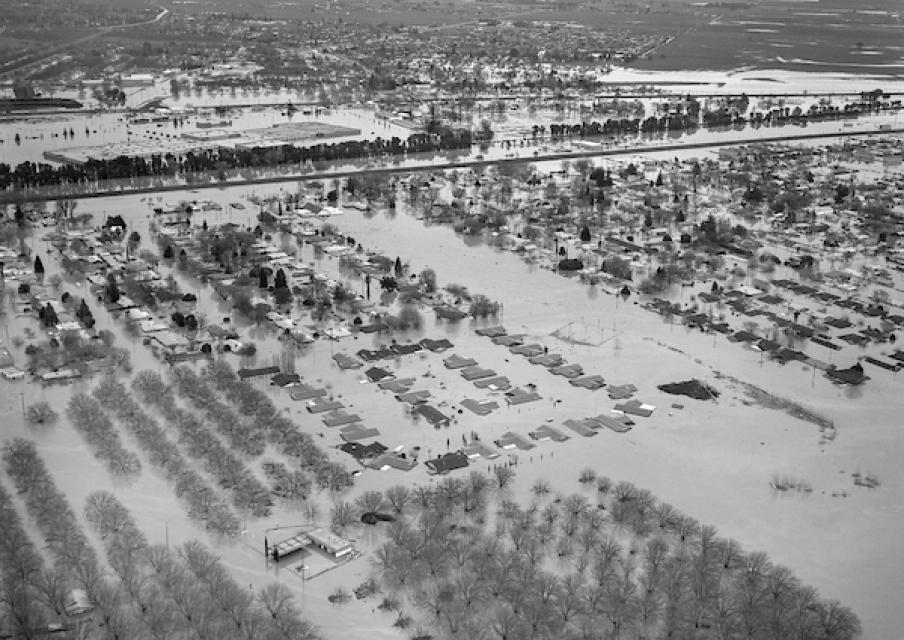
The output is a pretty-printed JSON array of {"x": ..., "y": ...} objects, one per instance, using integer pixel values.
[
  {"x": 825, "y": 225},
  {"x": 764, "y": 302},
  {"x": 830, "y": 232},
  {"x": 34, "y": 298},
  {"x": 178, "y": 346},
  {"x": 359, "y": 439}
]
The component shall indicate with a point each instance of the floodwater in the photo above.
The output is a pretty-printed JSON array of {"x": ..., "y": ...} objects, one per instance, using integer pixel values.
[
  {"x": 527, "y": 148},
  {"x": 38, "y": 134},
  {"x": 712, "y": 460},
  {"x": 46, "y": 133},
  {"x": 759, "y": 79}
]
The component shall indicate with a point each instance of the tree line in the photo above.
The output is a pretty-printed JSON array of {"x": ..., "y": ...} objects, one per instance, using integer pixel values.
[
  {"x": 245, "y": 490},
  {"x": 75, "y": 561},
  {"x": 715, "y": 118},
  {"x": 201, "y": 501},
  {"x": 31, "y": 594},
  {"x": 30, "y": 174}
]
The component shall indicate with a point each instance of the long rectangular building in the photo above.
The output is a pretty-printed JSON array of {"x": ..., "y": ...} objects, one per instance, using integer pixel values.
[{"x": 330, "y": 543}]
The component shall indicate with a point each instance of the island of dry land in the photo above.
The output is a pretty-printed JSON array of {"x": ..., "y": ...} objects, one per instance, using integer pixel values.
[{"x": 639, "y": 397}]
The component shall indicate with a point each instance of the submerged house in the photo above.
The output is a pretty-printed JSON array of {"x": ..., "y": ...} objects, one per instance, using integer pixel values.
[
  {"x": 852, "y": 375},
  {"x": 446, "y": 462},
  {"x": 433, "y": 415}
]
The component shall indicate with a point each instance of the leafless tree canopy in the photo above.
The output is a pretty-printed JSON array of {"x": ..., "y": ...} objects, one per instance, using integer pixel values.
[
  {"x": 187, "y": 592},
  {"x": 619, "y": 566}
]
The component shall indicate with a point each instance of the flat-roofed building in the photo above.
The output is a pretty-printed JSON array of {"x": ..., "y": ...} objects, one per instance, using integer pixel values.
[{"x": 330, "y": 543}]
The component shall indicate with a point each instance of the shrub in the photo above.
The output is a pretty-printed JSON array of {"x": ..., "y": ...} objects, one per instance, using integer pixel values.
[
  {"x": 603, "y": 485},
  {"x": 618, "y": 267},
  {"x": 482, "y": 307},
  {"x": 541, "y": 487},
  {"x": 339, "y": 596},
  {"x": 428, "y": 279},
  {"x": 410, "y": 317},
  {"x": 458, "y": 290},
  {"x": 247, "y": 350},
  {"x": 41, "y": 413},
  {"x": 504, "y": 476}
]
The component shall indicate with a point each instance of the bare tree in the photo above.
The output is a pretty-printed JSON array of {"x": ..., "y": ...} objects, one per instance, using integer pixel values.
[
  {"x": 729, "y": 554},
  {"x": 665, "y": 515},
  {"x": 504, "y": 475},
  {"x": 705, "y": 572},
  {"x": 568, "y": 597},
  {"x": 751, "y": 595},
  {"x": 781, "y": 587},
  {"x": 53, "y": 590},
  {"x": 23, "y": 617},
  {"x": 422, "y": 496},
  {"x": 398, "y": 497},
  {"x": 342, "y": 516},
  {"x": 655, "y": 558},
  {"x": 276, "y": 600},
  {"x": 507, "y": 625},
  {"x": 369, "y": 502}
]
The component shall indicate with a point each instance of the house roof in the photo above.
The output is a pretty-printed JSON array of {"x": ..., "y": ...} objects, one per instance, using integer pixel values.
[
  {"x": 398, "y": 385},
  {"x": 432, "y": 414},
  {"x": 347, "y": 362},
  {"x": 357, "y": 431},
  {"x": 580, "y": 428},
  {"x": 456, "y": 361},
  {"x": 520, "y": 396},
  {"x": 436, "y": 345},
  {"x": 509, "y": 439},
  {"x": 509, "y": 341},
  {"x": 321, "y": 405},
  {"x": 283, "y": 379},
  {"x": 491, "y": 332},
  {"x": 361, "y": 451},
  {"x": 306, "y": 392},
  {"x": 622, "y": 391},
  {"x": 339, "y": 417},
  {"x": 480, "y": 407},
  {"x": 476, "y": 373},
  {"x": 393, "y": 461},
  {"x": 375, "y": 374},
  {"x": 413, "y": 397},
  {"x": 546, "y": 432},
  {"x": 567, "y": 370},
  {"x": 499, "y": 382},
  {"x": 527, "y": 350},
  {"x": 478, "y": 449},
  {"x": 447, "y": 462},
  {"x": 260, "y": 371},
  {"x": 405, "y": 349}
]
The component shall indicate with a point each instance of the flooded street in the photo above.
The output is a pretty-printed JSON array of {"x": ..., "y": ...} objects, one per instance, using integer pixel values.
[{"x": 713, "y": 461}]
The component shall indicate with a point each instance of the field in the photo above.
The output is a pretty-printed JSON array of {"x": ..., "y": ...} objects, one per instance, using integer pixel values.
[{"x": 790, "y": 36}]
